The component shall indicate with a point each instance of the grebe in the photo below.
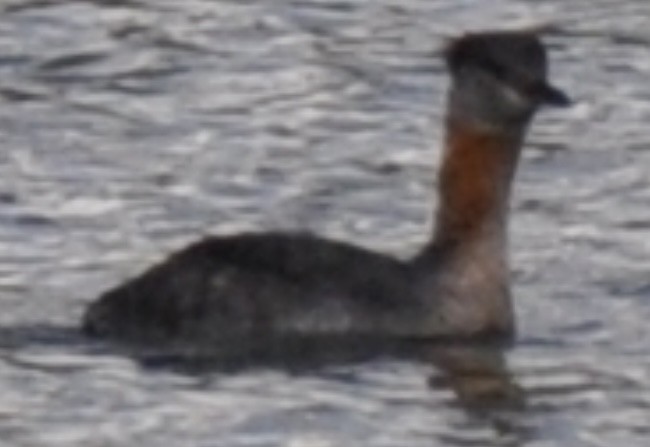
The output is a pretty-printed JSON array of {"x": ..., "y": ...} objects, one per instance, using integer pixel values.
[{"x": 274, "y": 285}]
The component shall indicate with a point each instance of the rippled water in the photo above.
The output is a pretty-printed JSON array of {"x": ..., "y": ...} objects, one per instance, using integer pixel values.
[{"x": 130, "y": 127}]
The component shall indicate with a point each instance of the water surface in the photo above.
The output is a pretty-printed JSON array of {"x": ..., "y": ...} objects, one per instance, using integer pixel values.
[{"x": 129, "y": 128}]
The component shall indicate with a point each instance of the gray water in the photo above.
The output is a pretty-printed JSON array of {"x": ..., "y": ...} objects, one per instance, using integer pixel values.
[{"x": 129, "y": 128}]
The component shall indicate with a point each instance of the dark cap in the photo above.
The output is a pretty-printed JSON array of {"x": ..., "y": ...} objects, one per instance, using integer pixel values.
[{"x": 517, "y": 58}]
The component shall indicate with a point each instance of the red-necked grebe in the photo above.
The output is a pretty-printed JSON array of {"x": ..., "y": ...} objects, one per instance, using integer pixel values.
[{"x": 272, "y": 284}]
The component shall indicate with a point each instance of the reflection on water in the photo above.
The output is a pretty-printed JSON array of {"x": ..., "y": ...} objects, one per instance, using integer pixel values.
[
  {"x": 130, "y": 127},
  {"x": 477, "y": 374}
]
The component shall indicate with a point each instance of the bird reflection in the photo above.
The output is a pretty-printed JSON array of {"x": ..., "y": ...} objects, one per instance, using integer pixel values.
[
  {"x": 483, "y": 386},
  {"x": 477, "y": 373}
]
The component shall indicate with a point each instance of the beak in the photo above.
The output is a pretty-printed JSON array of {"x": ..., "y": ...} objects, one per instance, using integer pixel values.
[{"x": 552, "y": 96}]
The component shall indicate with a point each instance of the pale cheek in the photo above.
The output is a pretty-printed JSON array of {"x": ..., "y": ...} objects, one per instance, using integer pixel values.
[{"x": 515, "y": 99}]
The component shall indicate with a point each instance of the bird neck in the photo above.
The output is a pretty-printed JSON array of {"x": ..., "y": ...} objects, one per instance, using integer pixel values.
[
  {"x": 463, "y": 272},
  {"x": 474, "y": 185}
]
